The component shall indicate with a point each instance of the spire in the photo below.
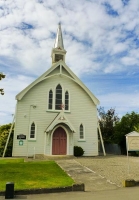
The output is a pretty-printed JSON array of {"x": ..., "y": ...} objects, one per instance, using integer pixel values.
[
  {"x": 59, "y": 38},
  {"x": 58, "y": 52}
]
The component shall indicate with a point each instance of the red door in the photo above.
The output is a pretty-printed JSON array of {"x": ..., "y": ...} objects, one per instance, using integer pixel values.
[{"x": 59, "y": 143}]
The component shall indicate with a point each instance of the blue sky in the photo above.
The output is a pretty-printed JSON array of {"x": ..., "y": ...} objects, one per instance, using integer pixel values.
[{"x": 101, "y": 38}]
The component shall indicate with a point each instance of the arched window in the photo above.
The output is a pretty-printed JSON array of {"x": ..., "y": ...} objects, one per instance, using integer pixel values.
[
  {"x": 32, "y": 131},
  {"x": 50, "y": 104},
  {"x": 81, "y": 132},
  {"x": 66, "y": 100},
  {"x": 58, "y": 97}
]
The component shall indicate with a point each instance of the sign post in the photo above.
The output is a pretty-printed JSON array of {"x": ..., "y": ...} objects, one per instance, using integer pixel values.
[{"x": 127, "y": 153}]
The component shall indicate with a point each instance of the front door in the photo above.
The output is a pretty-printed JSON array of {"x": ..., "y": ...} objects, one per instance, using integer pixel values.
[{"x": 59, "y": 142}]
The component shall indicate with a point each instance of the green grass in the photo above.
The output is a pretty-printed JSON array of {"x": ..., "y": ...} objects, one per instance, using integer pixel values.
[
  {"x": 27, "y": 175},
  {"x": 8, "y": 161}
]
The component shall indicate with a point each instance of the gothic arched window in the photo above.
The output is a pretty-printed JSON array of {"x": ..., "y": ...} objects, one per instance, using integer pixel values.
[
  {"x": 50, "y": 104},
  {"x": 66, "y": 100},
  {"x": 32, "y": 131},
  {"x": 58, "y": 97},
  {"x": 81, "y": 132}
]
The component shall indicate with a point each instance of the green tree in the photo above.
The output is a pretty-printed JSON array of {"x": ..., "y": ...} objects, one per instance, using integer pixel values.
[
  {"x": 107, "y": 121},
  {"x": 127, "y": 124},
  {"x": 1, "y": 77},
  {"x": 4, "y": 131}
]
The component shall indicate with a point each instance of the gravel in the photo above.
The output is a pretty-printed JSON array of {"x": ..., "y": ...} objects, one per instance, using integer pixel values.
[{"x": 113, "y": 168}]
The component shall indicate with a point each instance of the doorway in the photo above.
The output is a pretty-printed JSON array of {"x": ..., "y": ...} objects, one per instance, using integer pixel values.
[{"x": 59, "y": 142}]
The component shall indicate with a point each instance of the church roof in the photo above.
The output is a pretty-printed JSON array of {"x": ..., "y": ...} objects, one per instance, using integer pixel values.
[
  {"x": 59, "y": 39},
  {"x": 60, "y": 119},
  {"x": 58, "y": 68},
  {"x": 48, "y": 74}
]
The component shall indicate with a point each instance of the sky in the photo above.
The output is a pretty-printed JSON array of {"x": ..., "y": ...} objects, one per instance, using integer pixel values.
[{"x": 101, "y": 38}]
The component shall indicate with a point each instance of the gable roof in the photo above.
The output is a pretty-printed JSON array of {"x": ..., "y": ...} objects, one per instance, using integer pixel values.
[
  {"x": 133, "y": 133},
  {"x": 54, "y": 72},
  {"x": 60, "y": 118}
]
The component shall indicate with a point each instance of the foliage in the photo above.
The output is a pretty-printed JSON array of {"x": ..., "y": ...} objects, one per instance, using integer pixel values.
[
  {"x": 107, "y": 121},
  {"x": 136, "y": 127},
  {"x": 127, "y": 124},
  {"x": 1, "y": 77},
  {"x": 78, "y": 151},
  {"x": 28, "y": 175},
  {"x": 4, "y": 132}
]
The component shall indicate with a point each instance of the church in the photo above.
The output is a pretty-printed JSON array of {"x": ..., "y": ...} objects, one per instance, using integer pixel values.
[{"x": 56, "y": 112}]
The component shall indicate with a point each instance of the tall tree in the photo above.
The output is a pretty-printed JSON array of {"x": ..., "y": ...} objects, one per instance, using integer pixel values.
[
  {"x": 4, "y": 131},
  {"x": 107, "y": 121},
  {"x": 1, "y": 77}
]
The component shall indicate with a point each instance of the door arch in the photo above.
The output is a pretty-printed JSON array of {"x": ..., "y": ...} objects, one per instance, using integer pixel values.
[{"x": 59, "y": 142}]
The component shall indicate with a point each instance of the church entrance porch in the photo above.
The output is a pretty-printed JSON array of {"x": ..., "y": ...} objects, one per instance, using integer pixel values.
[{"x": 59, "y": 142}]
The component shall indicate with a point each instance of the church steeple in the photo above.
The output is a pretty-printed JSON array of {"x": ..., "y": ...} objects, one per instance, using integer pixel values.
[
  {"x": 59, "y": 38},
  {"x": 58, "y": 52}
]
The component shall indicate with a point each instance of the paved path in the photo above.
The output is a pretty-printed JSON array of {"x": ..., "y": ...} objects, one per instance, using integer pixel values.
[{"x": 82, "y": 174}]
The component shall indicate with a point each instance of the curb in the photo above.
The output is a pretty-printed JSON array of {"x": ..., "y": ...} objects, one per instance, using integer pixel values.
[
  {"x": 74, "y": 187},
  {"x": 130, "y": 183}
]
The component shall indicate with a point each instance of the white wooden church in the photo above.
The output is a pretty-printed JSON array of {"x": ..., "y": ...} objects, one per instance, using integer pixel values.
[{"x": 56, "y": 112}]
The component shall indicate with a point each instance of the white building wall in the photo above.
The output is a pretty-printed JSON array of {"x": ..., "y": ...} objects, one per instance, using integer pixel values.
[{"x": 82, "y": 110}]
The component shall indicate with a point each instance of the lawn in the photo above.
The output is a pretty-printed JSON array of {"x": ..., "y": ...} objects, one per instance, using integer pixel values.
[{"x": 27, "y": 175}]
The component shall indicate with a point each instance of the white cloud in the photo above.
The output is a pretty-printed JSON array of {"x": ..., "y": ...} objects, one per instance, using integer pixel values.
[
  {"x": 119, "y": 47},
  {"x": 129, "y": 60},
  {"x": 122, "y": 102},
  {"x": 113, "y": 68},
  {"x": 96, "y": 42},
  {"x": 12, "y": 86}
]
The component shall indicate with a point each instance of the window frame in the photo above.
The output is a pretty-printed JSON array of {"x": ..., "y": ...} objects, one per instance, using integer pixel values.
[
  {"x": 35, "y": 131},
  {"x": 56, "y": 95},
  {"x": 58, "y": 57},
  {"x": 54, "y": 99},
  {"x": 49, "y": 100},
  {"x": 68, "y": 101},
  {"x": 81, "y": 139}
]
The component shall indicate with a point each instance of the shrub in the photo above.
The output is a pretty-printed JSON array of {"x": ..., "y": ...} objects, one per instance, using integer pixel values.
[
  {"x": 78, "y": 151},
  {"x": 134, "y": 153}
]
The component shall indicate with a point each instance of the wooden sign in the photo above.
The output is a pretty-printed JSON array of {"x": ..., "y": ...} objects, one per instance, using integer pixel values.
[
  {"x": 21, "y": 137},
  {"x": 133, "y": 143}
]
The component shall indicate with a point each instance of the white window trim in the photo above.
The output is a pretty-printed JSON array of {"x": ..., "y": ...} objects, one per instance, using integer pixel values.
[
  {"x": 82, "y": 139},
  {"x": 48, "y": 100},
  {"x": 29, "y": 138},
  {"x": 69, "y": 100},
  {"x": 54, "y": 95}
]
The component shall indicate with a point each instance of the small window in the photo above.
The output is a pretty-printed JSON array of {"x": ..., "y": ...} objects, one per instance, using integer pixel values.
[
  {"x": 58, "y": 97},
  {"x": 50, "y": 105},
  {"x": 58, "y": 57},
  {"x": 81, "y": 132},
  {"x": 32, "y": 131},
  {"x": 66, "y": 101}
]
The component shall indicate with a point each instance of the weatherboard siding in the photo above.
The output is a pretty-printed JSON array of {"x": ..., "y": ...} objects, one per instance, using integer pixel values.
[{"x": 82, "y": 110}]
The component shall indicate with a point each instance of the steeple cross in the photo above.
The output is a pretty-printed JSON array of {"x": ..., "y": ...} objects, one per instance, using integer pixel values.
[{"x": 62, "y": 106}]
